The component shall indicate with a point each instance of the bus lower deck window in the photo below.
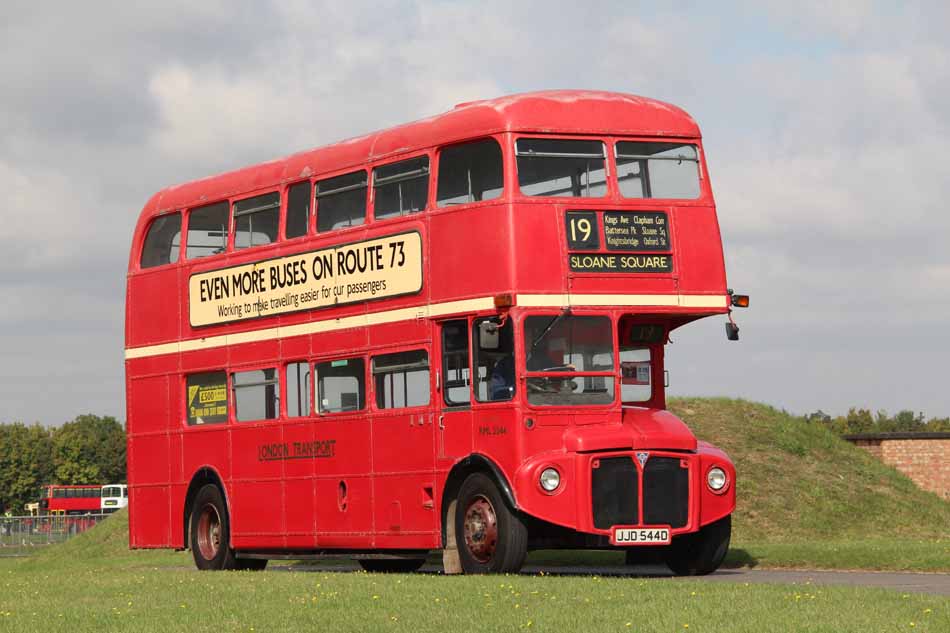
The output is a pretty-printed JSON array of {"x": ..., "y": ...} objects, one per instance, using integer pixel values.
[
  {"x": 298, "y": 389},
  {"x": 401, "y": 379},
  {"x": 341, "y": 385},
  {"x": 206, "y": 398},
  {"x": 255, "y": 394}
]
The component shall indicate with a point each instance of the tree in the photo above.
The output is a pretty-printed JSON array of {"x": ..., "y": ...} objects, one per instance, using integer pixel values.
[
  {"x": 26, "y": 464},
  {"x": 89, "y": 450}
]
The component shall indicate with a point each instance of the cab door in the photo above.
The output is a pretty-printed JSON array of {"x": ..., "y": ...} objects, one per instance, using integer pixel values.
[{"x": 454, "y": 429}]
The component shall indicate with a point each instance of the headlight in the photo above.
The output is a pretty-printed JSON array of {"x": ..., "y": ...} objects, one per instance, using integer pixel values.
[
  {"x": 550, "y": 479},
  {"x": 716, "y": 479}
]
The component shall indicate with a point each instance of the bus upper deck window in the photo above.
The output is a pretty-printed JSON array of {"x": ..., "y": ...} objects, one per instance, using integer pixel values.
[
  {"x": 162, "y": 242},
  {"x": 256, "y": 220},
  {"x": 401, "y": 188},
  {"x": 207, "y": 231},
  {"x": 657, "y": 170},
  {"x": 561, "y": 167},
  {"x": 298, "y": 210},
  {"x": 470, "y": 172},
  {"x": 341, "y": 201}
]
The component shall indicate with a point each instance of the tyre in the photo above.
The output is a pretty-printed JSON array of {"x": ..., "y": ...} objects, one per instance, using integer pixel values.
[
  {"x": 392, "y": 565},
  {"x": 491, "y": 538},
  {"x": 700, "y": 553},
  {"x": 210, "y": 531}
]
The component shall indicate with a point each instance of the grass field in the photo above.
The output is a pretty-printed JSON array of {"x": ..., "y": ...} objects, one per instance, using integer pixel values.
[
  {"x": 806, "y": 499},
  {"x": 93, "y": 583}
]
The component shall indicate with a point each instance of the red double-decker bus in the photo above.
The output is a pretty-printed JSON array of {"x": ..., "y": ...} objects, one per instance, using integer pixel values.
[
  {"x": 447, "y": 335},
  {"x": 69, "y": 500}
]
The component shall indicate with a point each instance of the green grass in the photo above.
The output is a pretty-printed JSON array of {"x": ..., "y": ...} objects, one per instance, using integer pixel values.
[
  {"x": 94, "y": 583},
  {"x": 151, "y": 593}
]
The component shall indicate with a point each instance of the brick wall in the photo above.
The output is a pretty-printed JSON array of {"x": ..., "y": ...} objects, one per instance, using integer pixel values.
[{"x": 925, "y": 458}]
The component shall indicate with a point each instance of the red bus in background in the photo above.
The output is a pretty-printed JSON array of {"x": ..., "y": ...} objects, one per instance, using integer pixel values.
[
  {"x": 58, "y": 499},
  {"x": 447, "y": 335}
]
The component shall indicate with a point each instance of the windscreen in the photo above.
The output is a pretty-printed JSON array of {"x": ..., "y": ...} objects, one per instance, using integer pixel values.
[{"x": 563, "y": 344}]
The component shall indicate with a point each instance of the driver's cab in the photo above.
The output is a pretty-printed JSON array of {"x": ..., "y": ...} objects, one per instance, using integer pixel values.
[{"x": 571, "y": 359}]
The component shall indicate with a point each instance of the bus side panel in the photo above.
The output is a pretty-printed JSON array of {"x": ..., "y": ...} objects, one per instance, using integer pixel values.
[
  {"x": 151, "y": 295},
  {"x": 472, "y": 261},
  {"x": 149, "y": 525},
  {"x": 257, "y": 458},
  {"x": 343, "y": 482},
  {"x": 539, "y": 270},
  {"x": 297, "y": 499},
  {"x": 149, "y": 459},
  {"x": 698, "y": 250},
  {"x": 149, "y": 397}
]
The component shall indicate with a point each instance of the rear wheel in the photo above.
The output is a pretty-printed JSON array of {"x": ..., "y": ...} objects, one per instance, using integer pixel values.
[
  {"x": 392, "y": 565},
  {"x": 210, "y": 531},
  {"x": 700, "y": 553},
  {"x": 491, "y": 538}
]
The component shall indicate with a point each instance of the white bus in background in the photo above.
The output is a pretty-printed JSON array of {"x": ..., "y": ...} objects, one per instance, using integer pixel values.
[{"x": 114, "y": 497}]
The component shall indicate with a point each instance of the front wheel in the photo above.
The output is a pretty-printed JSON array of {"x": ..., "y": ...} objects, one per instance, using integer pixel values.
[
  {"x": 392, "y": 565},
  {"x": 700, "y": 553},
  {"x": 491, "y": 538},
  {"x": 210, "y": 531}
]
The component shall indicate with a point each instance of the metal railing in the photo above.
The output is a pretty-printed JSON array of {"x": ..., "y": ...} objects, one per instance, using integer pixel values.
[{"x": 19, "y": 536}]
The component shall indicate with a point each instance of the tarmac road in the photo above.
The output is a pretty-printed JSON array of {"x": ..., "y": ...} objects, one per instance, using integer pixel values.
[{"x": 906, "y": 582}]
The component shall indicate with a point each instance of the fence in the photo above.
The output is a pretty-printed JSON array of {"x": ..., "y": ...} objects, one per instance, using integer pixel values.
[{"x": 19, "y": 536}]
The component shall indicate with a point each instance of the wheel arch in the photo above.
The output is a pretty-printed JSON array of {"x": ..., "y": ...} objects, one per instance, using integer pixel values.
[
  {"x": 474, "y": 463},
  {"x": 203, "y": 476}
]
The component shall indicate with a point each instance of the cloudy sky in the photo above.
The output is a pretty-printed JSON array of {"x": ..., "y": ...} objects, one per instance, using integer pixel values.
[{"x": 826, "y": 131}]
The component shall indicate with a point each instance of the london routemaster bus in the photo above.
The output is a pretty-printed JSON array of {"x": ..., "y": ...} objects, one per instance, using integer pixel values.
[
  {"x": 448, "y": 335},
  {"x": 69, "y": 500}
]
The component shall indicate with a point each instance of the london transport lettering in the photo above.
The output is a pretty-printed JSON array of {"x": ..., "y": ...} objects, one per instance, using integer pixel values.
[
  {"x": 281, "y": 451},
  {"x": 622, "y": 231},
  {"x": 384, "y": 267}
]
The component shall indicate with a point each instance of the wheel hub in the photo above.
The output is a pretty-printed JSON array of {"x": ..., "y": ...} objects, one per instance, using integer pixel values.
[
  {"x": 481, "y": 529},
  {"x": 209, "y": 532}
]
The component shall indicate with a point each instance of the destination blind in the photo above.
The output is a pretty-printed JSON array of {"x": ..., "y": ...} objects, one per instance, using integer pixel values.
[{"x": 644, "y": 235}]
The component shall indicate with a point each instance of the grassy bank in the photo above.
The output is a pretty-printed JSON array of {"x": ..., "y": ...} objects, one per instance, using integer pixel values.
[{"x": 798, "y": 482}]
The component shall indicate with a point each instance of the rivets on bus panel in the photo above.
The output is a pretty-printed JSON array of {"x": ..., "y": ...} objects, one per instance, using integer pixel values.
[{"x": 529, "y": 423}]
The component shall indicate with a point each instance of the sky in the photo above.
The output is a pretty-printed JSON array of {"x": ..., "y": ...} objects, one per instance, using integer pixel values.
[{"x": 826, "y": 131}]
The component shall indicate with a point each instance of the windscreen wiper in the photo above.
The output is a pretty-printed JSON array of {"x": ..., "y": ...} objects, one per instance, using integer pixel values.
[{"x": 565, "y": 312}]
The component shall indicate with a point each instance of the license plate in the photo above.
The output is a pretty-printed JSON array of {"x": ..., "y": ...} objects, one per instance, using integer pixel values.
[
  {"x": 110, "y": 503},
  {"x": 640, "y": 536}
]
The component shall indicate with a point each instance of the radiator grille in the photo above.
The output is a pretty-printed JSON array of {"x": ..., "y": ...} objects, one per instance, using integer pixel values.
[
  {"x": 614, "y": 492},
  {"x": 665, "y": 492}
]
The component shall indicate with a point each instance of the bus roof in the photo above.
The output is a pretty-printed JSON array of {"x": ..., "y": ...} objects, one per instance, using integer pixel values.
[{"x": 552, "y": 111}]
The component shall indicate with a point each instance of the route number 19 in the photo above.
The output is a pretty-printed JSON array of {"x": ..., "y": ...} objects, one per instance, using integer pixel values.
[{"x": 582, "y": 231}]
